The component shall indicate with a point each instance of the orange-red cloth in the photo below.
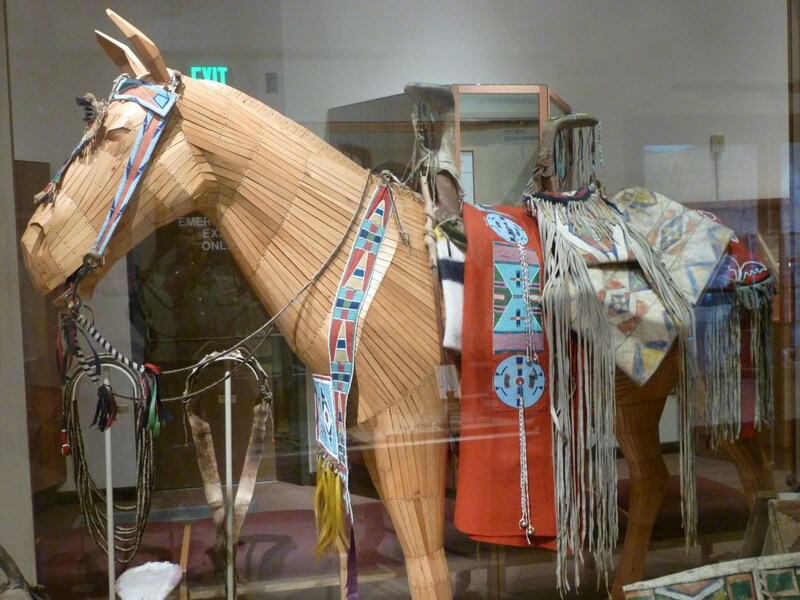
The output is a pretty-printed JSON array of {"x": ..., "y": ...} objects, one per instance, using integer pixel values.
[{"x": 488, "y": 496}]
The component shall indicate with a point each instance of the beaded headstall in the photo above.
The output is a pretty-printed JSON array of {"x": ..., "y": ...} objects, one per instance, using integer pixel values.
[{"x": 158, "y": 102}]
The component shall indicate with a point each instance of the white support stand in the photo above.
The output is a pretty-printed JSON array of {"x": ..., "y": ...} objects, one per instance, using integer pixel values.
[
  {"x": 229, "y": 484},
  {"x": 109, "y": 510},
  {"x": 110, "y": 547},
  {"x": 229, "y": 507}
]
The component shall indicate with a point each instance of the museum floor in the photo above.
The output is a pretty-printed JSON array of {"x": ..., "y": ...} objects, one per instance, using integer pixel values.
[{"x": 276, "y": 558}]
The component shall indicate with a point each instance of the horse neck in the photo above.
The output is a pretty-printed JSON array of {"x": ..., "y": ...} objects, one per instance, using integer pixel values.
[{"x": 284, "y": 198}]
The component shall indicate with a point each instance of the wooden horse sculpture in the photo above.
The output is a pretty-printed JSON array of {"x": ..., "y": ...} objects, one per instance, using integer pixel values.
[{"x": 284, "y": 202}]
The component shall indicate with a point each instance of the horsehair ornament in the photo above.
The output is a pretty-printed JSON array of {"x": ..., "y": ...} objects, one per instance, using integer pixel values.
[
  {"x": 94, "y": 114},
  {"x": 69, "y": 349}
]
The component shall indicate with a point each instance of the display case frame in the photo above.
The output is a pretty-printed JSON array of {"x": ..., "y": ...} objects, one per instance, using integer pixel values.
[{"x": 378, "y": 133}]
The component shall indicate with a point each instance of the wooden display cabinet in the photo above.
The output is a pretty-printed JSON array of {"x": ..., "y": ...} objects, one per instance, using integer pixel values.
[{"x": 498, "y": 128}]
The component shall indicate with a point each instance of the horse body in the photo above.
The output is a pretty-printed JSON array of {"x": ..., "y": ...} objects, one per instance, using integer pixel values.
[{"x": 283, "y": 201}]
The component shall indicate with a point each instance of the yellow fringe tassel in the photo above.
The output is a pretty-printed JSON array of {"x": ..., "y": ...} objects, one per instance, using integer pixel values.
[{"x": 328, "y": 507}]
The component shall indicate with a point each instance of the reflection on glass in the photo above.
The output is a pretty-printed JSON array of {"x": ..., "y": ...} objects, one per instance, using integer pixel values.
[{"x": 502, "y": 131}]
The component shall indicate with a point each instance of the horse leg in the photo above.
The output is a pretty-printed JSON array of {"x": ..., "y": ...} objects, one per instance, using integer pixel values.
[
  {"x": 753, "y": 468},
  {"x": 637, "y": 418},
  {"x": 407, "y": 465},
  {"x": 637, "y": 434}
]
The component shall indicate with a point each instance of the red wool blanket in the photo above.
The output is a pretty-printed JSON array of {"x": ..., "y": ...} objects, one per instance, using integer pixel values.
[{"x": 496, "y": 377}]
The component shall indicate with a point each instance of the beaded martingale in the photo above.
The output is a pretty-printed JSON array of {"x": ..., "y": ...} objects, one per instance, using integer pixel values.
[{"x": 357, "y": 286}]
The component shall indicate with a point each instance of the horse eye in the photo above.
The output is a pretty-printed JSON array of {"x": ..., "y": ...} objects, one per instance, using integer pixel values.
[{"x": 115, "y": 140}]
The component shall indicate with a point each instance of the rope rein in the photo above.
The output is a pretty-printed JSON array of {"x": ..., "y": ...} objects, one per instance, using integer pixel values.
[{"x": 92, "y": 499}]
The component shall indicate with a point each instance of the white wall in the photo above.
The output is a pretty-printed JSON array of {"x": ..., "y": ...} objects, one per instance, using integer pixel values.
[
  {"x": 55, "y": 57},
  {"x": 16, "y": 509},
  {"x": 655, "y": 72}
]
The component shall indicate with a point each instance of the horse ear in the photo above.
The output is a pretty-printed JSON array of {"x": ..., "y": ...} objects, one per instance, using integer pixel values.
[
  {"x": 121, "y": 55},
  {"x": 146, "y": 49}
]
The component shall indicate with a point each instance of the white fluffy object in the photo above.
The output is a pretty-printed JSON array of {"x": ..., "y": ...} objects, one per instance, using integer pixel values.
[{"x": 150, "y": 581}]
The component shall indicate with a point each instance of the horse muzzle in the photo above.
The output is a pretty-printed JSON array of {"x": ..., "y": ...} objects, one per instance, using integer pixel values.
[{"x": 43, "y": 270}]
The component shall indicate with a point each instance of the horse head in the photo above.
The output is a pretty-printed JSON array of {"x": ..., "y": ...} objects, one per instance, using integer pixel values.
[{"x": 127, "y": 157}]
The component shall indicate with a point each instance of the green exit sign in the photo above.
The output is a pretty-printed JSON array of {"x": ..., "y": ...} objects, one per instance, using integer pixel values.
[{"x": 211, "y": 72}]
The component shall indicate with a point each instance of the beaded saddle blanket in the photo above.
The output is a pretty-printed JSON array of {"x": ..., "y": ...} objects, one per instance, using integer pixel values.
[{"x": 759, "y": 578}]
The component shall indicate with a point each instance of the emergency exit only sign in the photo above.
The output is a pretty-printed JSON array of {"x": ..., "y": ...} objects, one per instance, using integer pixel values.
[{"x": 217, "y": 73}]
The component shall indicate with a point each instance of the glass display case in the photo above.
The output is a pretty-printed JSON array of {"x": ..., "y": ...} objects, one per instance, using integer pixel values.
[{"x": 244, "y": 214}]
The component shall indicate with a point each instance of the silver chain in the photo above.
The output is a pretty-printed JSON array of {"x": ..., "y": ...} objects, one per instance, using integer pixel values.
[{"x": 530, "y": 358}]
